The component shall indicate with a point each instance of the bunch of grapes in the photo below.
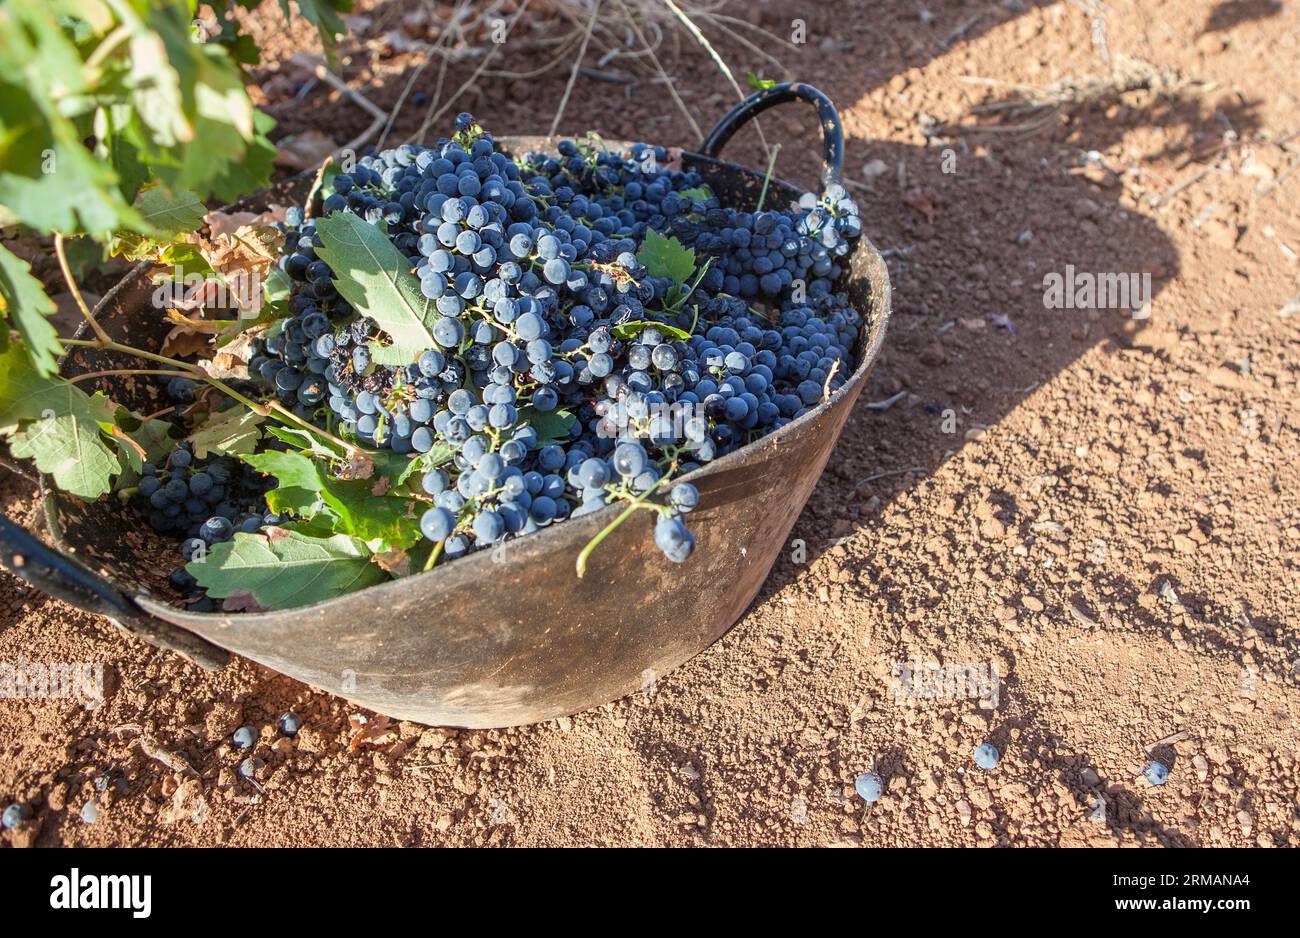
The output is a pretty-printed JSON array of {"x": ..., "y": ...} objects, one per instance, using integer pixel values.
[
  {"x": 773, "y": 255},
  {"x": 205, "y": 501},
  {"x": 543, "y": 306}
]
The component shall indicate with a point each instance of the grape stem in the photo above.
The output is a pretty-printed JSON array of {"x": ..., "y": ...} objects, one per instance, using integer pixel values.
[
  {"x": 433, "y": 556},
  {"x": 609, "y": 528},
  {"x": 106, "y": 343},
  {"x": 122, "y": 372},
  {"x": 194, "y": 373},
  {"x": 76, "y": 290}
]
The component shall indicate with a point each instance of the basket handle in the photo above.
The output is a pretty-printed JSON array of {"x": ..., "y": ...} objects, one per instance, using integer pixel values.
[
  {"x": 66, "y": 579},
  {"x": 760, "y": 101}
]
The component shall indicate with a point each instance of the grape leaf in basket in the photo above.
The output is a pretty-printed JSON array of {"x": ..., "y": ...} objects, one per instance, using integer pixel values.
[
  {"x": 286, "y": 568},
  {"x": 376, "y": 279},
  {"x": 71, "y": 451},
  {"x": 306, "y": 489},
  {"x": 58, "y": 425},
  {"x": 666, "y": 257}
]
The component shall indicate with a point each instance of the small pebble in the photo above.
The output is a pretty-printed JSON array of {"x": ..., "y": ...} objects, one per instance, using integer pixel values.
[
  {"x": 870, "y": 786},
  {"x": 89, "y": 812},
  {"x": 987, "y": 755},
  {"x": 13, "y": 815}
]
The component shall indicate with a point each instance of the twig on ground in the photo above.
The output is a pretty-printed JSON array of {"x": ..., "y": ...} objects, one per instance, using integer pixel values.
[
  {"x": 960, "y": 31},
  {"x": 432, "y": 117},
  {"x": 722, "y": 65},
  {"x": 887, "y": 402},
  {"x": 577, "y": 66},
  {"x": 654, "y": 59},
  {"x": 317, "y": 67},
  {"x": 885, "y": 475}
]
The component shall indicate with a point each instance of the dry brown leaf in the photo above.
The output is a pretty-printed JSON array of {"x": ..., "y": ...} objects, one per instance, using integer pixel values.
[
  {"x": 379, "y": 731},
  {"x": 359, "y": 466},
  {"x": 199, "y": 295},
  {"x": 227, "y": 223},
  {"x": 242, "y": 258},
  {"x": 394, "y": 561},
  {"x": 230, "y": 361},
  {"x": 185, "y": 340},
  {"x": 274, "y": 534}
]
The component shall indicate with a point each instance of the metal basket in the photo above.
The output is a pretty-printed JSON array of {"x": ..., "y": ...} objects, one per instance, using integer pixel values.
[{"x": 485, "y": 642}]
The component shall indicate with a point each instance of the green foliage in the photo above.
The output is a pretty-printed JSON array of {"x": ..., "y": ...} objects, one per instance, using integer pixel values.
[
  {"x": 118, "y": 121},
  {"x": 306, "y": 489},
  {"x": 232, "y": 432},
  {"x": 666, "y": 257},
  {"x": 286, "y": 569},
  {"x": 23, "y": 301},
  {"x": 73, "y": 436},
  {"x": 697, "y": 194},
  {"x": 376, "y": 279},
  {"x": 552, "y": 426},
  {"x": 169, "y": 215},
  {"x": 630, "y": 330}
]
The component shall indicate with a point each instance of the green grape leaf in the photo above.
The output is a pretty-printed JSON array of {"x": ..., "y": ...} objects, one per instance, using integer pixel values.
[
  {"x": 286, "y": 568},
  {"x": 167, "y": 216},
  {"x": 311, "y": 443},
  {"x": 306, "y": 488},
  {"x": 251, "y": 171},
  {"x": 48, "y": 179},
  {"x": 376, "y": 279},
  {"x": 72, "y": 452},
  {"x": 551, "y": 426},
  {"x": 24, "y": 303},
  {"x": 171, "y": 213},
  {"x": 25, "y": 395},
  {"x": 666, "y": 257}
]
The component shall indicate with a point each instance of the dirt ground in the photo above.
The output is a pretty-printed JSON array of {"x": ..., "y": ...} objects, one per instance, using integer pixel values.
[{"x": 1104, "y": 508}]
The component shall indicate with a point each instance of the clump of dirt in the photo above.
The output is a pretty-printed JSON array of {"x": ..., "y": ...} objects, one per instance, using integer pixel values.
[{"x": 1098, "y": 509}]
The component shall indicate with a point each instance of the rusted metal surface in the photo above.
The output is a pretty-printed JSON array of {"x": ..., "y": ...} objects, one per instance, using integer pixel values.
[{"x": 513, "y": 636}]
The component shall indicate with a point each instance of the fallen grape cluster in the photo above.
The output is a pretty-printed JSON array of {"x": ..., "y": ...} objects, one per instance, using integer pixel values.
[{"x": 595, "y": 324}]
